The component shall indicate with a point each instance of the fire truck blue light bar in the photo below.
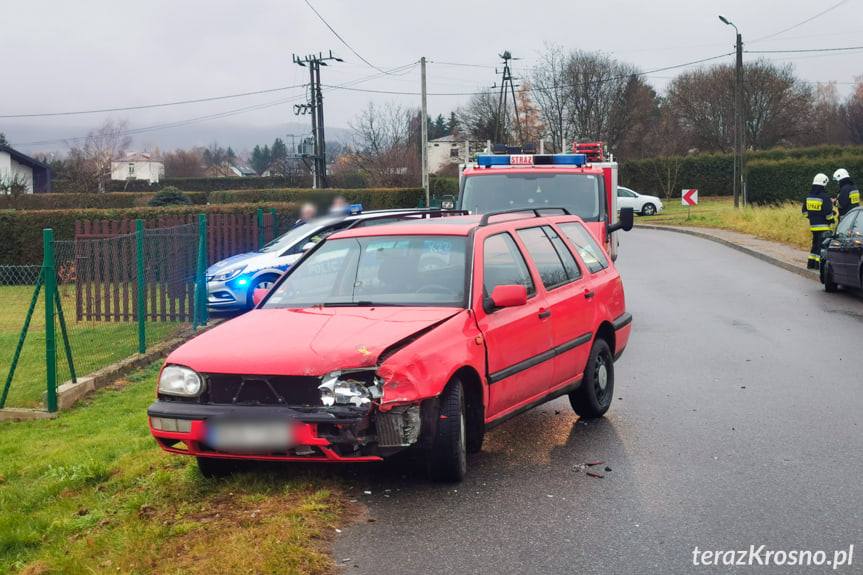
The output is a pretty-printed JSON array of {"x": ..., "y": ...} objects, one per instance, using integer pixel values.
[{"x": 532, "y": 160}]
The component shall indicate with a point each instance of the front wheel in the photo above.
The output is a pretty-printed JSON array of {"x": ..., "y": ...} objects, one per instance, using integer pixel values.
[
  {"x": 263, "y": 282},
  {"x": 830, "y": 286},
  {"x": 447, "y": 459},
  {"x": 593, "y": 396},
  {"x": 648, "y": 210}
]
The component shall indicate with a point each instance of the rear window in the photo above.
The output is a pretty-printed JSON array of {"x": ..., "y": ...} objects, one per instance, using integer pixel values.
[{"x": 589, "y": 251}]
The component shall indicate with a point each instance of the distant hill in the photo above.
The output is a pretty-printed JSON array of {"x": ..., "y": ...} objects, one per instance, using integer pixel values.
[{"x": 32, "y": 138}]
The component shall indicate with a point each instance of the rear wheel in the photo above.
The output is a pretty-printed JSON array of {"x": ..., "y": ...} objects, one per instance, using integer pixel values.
[
  {"x": 593, "y": 396},
  {"x": 648, "y": 210},
  {"x": 447, "y": 459}
]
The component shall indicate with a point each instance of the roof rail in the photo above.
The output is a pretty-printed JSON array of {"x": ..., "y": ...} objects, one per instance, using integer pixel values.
[
  {"x": 405, "y": 213},
  {"x": 535, "y": 211}
]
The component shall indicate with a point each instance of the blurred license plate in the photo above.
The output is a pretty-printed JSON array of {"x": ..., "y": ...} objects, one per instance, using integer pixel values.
[{"x": 249, "y": 436}]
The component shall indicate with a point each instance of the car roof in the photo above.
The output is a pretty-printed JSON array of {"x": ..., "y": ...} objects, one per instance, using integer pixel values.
[{"x": 454, "y": 225}]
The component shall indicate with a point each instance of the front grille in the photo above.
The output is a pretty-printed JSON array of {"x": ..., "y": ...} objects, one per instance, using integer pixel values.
[{"x": 229, "y": 389}]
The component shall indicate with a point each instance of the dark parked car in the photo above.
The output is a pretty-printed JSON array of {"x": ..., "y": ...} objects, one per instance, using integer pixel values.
[{"x": 842, "y": 254}]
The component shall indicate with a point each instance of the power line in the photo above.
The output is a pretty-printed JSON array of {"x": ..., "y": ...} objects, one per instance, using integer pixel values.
[
  {"x": 150, "y": 106},
  {"x": 219, "y": 115},
  {"x": 823, "y": 12},
  {"x": 342, "y": 40},
  {"x": 803, "y": 51},
  {"x": 533, "y": 88}
]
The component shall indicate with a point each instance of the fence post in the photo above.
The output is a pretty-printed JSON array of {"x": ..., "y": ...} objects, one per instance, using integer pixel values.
[
  {"x": 260, "y": 228},
  {"x": 142, "y": 312},
  {"x": 275, "y": 223},
  {"x": 200, "y": 314},
  {"x": 50, "y": 342}
]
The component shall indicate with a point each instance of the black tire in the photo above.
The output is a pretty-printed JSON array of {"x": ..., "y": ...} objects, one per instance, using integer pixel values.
[
  {"x": 447, "y": 459},
  {"x": 830, "y": 286},
  {"x": 593, "y": 397},
  {"x": 265, "y": 281},
  {"x": 648, "y": 210},
  {"x": 211, "y": 467}
]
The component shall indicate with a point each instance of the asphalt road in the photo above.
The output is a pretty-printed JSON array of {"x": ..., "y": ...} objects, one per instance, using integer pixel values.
[{"x": 737, "y": 422}]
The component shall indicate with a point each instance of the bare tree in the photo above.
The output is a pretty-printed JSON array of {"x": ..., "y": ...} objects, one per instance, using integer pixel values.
[
  {"x": 385, "y": 145},
  {"x": 826, "y": 121},
  {"x": 90, "y": 162},
  {"x": 479, "y": 118},
  {"x": 184, "y": 163},
  {"x": 853, "y": 112},
  {"x": 217, "y": 160},
  {"x": 550, "y": 94},
  {"x": 776, "y": 106}
]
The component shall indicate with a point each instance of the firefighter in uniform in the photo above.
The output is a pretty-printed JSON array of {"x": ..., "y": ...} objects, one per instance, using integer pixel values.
[
  {"x": 818, "y": 207},
  {"x": 849, "y": 195}
]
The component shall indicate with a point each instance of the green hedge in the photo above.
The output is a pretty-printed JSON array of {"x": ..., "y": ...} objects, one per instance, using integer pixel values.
[
  {"x": 443, "y": 187},
  {"x": 711, "y": 175},
  {"x": 371, "y": 199},
  {"x": 21, "y": 232},
  {"x": 117, "y": 200},
  {"x": 772, "y": 175},
  {"x": 775, "y": 181},
  {"x": 190, "y": 184}
]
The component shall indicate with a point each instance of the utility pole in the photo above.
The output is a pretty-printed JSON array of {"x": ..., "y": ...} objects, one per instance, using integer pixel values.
[
  {"x": 315, "y": 106},
  {"x": 739, "y": 122},
  {"x": 425, "y": 134},
  {"x": 502, "y": 129}
]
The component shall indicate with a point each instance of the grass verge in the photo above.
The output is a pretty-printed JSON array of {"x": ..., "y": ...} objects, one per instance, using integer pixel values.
[
  {"x": 94, "y": 344},
  {"x": 782, "y": 223},
  {"x": 91, "y": 492}
]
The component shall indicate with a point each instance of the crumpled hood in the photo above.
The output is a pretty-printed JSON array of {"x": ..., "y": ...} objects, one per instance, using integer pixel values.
[{"x": 307, "y": 341}]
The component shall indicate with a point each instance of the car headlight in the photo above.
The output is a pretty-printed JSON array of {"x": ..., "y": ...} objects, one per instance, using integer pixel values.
[
  {"x": 179, "y": 380},
  {"x": 228, "y": 275},
  {"x": 336, "y": 390}
]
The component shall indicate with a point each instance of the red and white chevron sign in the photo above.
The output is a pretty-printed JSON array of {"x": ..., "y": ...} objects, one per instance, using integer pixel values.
[{"x": 689, "y": 197}]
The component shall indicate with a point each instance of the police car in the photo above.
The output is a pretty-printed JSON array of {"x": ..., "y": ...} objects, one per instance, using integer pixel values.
[{"x": 232, "y": 281}]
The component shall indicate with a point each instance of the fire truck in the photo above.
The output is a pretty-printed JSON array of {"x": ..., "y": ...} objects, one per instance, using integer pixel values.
[{"x": 583, "y": 182}]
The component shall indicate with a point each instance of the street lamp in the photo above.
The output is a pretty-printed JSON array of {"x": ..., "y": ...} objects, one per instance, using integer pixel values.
[{"x": 739, "y": 132}]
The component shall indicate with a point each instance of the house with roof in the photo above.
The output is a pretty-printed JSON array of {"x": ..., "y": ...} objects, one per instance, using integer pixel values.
[
  {"x": 137, "y": 167},
  {"x": 452, "y": 149},
  {"x": 16, "y": 167}
]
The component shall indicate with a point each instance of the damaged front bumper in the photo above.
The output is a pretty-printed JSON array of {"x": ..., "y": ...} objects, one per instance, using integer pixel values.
[{"x": 283, "y": 433}]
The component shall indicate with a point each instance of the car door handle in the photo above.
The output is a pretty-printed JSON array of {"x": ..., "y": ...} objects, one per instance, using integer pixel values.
[
  {"x": 588, "y": 294},
  {"x": 544, "y": 314}
]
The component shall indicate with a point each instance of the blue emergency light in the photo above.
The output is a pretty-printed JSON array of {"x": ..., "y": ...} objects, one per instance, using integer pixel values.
[{"x": 486, "y": 160}]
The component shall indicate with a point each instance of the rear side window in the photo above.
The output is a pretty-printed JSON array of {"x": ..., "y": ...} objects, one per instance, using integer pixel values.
[
  {"x": 589, "y": 251},
  {"x": 555, "y": 263},
  {"x": 503, "y": 264}
]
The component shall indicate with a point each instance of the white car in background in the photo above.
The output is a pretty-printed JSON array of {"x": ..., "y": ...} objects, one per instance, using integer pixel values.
[{"x": 641, "y": 204}]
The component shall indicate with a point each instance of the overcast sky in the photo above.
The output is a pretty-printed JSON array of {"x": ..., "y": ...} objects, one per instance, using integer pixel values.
[{"x": 61, "y": 56}]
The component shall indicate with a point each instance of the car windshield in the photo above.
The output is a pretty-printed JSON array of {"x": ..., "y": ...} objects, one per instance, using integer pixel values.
[
  {"x": 580, "y": 193},
  {"x": 296, "y": 234},
  {"x": 377, "y": 271}
]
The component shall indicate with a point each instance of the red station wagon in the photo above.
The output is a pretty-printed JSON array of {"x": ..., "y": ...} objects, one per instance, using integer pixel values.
[{"x": 417, "y": 334}]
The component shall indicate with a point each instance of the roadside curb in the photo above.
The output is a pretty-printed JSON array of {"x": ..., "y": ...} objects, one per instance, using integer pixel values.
[
  {"x": 793, "y": 268},
  {"x": 69, "y": 393}
]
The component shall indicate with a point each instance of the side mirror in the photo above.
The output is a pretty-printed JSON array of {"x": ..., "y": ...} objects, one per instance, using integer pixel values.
[
  {"x": 447, "y": 203},
  {"x": 624, "y": 222},
  {"x": 258, "y": 295},
  {"x": 509, "y": 296}
]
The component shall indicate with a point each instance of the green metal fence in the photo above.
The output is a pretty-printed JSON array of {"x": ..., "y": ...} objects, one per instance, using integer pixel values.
[{"x": 94, "y": 302}]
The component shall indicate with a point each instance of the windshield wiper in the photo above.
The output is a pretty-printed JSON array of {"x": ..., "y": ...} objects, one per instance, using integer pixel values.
[{"x": 361, "y": 303}]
